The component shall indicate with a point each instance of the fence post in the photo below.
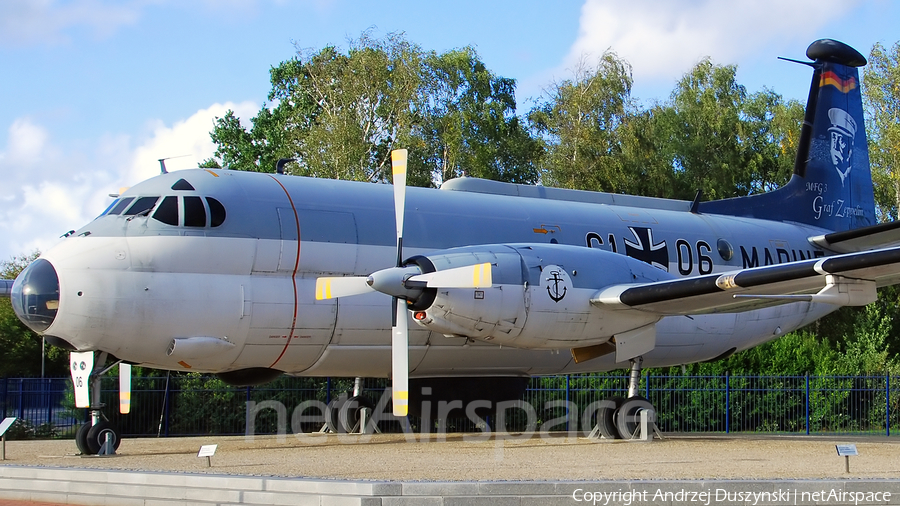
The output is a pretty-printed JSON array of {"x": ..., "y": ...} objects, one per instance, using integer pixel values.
[
  {"x": 21, "y": 406},
  {"x": 166, "y": 408},
  {"x": 45, "y": 391},
  {"x": 807, "y": 404},
  {"x": 727, "y": 402},
  {"x": 887, "y": 404},
  {"x": 568, "y": 414}
]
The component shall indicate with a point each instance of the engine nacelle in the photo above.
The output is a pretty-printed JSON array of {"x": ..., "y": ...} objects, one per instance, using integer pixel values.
[{"x": 540, "y": 296}]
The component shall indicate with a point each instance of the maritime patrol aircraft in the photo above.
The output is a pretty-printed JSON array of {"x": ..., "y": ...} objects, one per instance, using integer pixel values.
[{"x": 469, "y": 289}]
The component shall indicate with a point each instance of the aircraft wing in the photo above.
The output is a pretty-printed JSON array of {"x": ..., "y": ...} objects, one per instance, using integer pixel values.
[
  {"x": 845, "y": 280},
  {"x": 5, "y": 287},
  {"x": 860, "y": 239}
]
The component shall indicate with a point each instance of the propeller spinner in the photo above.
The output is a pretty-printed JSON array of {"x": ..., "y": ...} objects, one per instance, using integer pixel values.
[{"x": 403, "y": 284}]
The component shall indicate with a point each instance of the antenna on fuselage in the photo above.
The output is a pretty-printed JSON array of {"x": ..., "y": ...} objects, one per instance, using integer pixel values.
[
  {"x": 162, "y": 163},
  {"x": 279, "y": 165}
]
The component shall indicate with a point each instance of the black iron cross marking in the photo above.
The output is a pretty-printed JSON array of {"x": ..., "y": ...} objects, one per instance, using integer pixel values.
[{"x": 643, "y": 248}]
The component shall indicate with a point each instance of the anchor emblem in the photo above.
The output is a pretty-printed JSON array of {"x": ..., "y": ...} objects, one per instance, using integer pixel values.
[{"x": 553, "y": 287}]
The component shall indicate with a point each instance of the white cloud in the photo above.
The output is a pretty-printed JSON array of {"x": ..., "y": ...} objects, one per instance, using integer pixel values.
[
  {"x": 188, "y": 140},
  {"x": 664, "y": 39},
  {"x": 49, "y": 189},
  {"x": 26, "y": 22}
]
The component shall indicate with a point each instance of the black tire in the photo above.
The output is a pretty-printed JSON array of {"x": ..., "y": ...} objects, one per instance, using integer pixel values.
[
  {"x": 97, "y": 436},
  {"x": 81, "y": 439},
  {"x": 349, "y": 412},
  {"x": 606, "y": 418},
  {"x": 628, "y": 417},
  {"x": 332, "y": 415}
]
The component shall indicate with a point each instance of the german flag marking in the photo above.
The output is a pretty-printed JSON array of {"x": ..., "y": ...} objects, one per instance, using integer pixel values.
[{"x": 831, "y": 79}]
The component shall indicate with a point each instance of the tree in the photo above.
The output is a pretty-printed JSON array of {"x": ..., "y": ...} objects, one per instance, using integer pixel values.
[
  {"x": 471, "y": 127},
  {"x": 22, "y": 347},
  {"x": 340, "y": 115},
  {"x": 881, "y": 80},
  {"x": 579, "y": 122}
]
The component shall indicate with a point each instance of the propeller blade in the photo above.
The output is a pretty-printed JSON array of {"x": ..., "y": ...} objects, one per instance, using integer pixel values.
[
  {"x": 471, "y": 276},
  {"x": 400, "y": 360},
  {"x": 398, "y": 166},
  {"x": 330, "y": 288}
]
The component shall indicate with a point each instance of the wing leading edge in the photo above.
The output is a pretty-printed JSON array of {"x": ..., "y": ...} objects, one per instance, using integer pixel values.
[
  {"x": 846, "y": 280},
  {"x": 860, "y": 239}
]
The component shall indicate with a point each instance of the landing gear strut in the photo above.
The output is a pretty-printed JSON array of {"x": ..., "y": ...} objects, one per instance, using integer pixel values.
[
  {"x": 620, "y": 418},
  {"x": 350, "y": 414},
  {"x": 100, "y": 436}
]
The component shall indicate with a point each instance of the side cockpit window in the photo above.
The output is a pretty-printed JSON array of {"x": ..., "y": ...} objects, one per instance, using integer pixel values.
[
  {"x": 216, "y": 212},
  {"x": 121, "y": 205},
  {"x": 194, "y": 212},
  {"x": 167, "y": 211},
  {"x": 142, "y": 205}
]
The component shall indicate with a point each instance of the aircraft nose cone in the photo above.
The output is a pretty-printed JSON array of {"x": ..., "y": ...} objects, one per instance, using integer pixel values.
[{"x": 35, "y": 295}]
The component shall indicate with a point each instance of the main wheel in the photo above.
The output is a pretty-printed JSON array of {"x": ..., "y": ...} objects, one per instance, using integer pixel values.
[
  {"x": 628, "y": 417},
  {"x": 81, "y": 439},
  {"x": 332, "y": 415},
  {"x": 349, "y": 412},
  {"x": 97, "y": 436},
  {"x": 606, "y": 418}
]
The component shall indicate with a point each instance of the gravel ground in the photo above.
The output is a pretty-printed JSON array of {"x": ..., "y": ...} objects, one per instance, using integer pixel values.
[{"x": 465, "y": 457}]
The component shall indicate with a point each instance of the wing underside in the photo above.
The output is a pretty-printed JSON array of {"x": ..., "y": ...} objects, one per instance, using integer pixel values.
[{"x": 848, "y": 279}]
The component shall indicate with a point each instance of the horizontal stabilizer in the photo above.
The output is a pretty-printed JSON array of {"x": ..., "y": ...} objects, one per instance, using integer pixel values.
[
  {"x": 860, "y": 239},
  {"x": 848, "y": 279}
]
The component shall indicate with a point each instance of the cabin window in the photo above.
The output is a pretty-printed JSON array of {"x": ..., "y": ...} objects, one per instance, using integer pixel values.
[
  {"x": 120, "y": 206},
  {"x": 167, "y": 211},
  {"x": 194, "y": 212},
  {"x": 216, "y": 212},
  {"x": 141, "y": 205}
]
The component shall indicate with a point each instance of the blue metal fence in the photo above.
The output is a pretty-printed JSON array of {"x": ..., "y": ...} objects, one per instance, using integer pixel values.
[{"x": 182, "y": 405}]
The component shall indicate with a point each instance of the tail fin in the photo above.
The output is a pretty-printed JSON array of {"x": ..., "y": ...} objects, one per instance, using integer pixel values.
[{"x": 832, "y": 185}]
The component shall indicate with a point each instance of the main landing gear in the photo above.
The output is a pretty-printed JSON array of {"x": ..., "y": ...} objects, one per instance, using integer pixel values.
[
  {"x": 620, "y": 418},
  {"x": 350, "y": 414},
  {"x": 99, "y": 436}
]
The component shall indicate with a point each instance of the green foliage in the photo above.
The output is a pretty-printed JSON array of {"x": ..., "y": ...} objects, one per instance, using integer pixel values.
[
  {"x": 881, "y": 94},
  {"x": 23, "y": 429},
  {"x": 580, "y": 122},
  {"x": 340, "y": 115}
]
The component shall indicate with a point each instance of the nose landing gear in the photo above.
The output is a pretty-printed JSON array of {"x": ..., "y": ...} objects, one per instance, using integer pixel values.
[{"x": 100, "y": 436}]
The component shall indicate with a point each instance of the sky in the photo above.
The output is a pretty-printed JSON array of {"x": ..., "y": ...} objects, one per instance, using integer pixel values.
[{"x": 94, "y": 92}]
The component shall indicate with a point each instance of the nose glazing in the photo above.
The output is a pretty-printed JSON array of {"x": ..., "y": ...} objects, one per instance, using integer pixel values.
[{"x": 35, "y": 295}]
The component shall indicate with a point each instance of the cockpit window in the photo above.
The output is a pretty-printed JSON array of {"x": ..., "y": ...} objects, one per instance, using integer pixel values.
[
  {"x": 121, "y": 205},
  {"x": 141, "y": 205},
  {"x": 194, "y": 212},
  {"x": 182, "y": 184},
  {"x": 167, "y": 211},
  {"x": 216, "y": 212}
]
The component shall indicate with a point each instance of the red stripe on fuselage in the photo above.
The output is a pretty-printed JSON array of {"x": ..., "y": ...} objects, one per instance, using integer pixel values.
[{"x": 290, "y": 336}]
